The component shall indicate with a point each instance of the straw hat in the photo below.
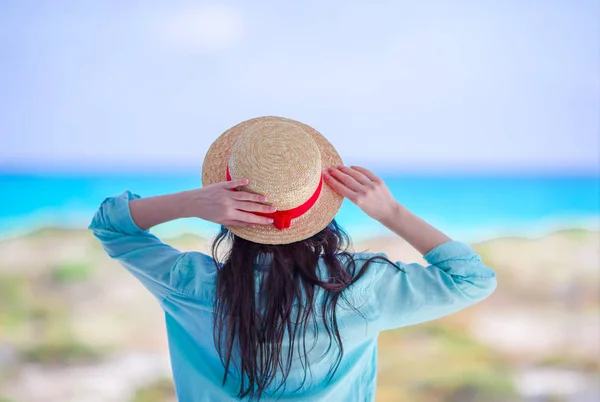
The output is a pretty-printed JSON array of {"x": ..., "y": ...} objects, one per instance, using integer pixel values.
[{"x": 284, "y": 160}]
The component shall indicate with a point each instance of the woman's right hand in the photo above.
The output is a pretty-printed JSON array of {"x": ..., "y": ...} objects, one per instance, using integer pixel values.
[
  {"x": 371, "y": 194},
  {"x": 219, "y": 203},
  {"x": 363, "y": 188}
]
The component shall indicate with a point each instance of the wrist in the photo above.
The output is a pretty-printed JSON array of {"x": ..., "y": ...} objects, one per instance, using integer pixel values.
[
  {"x": 184, "y": 204},
  {"x": 395, "y": 213}
]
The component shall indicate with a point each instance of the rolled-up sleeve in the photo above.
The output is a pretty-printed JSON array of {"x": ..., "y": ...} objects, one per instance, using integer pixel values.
[
  {"x": 407, "y": 294},
  {"x": 143, "y": 254}
]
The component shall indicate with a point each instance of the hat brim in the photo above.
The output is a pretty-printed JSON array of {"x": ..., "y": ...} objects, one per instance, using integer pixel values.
[{"x": 214, "y": 170}]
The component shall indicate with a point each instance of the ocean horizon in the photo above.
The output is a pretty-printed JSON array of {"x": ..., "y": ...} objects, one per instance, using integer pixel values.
[{"x": 466, "y": 207}]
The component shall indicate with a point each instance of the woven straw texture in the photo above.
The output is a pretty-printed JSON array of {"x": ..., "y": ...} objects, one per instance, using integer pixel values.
[{"x": 283, "y": 159}]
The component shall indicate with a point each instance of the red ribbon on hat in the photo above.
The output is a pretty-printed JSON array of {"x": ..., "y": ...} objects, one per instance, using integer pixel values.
[{"x": 283, "y": 219}]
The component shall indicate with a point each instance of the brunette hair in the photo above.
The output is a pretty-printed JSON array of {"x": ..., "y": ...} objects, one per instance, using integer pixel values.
[{"x": 251, "y": 325}]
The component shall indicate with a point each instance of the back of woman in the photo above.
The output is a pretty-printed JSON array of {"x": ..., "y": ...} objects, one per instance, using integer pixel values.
[{"x": 282, "y": 310}]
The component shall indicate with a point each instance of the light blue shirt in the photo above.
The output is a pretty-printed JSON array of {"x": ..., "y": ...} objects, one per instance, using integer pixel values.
[{"x": 386, "y": 298}]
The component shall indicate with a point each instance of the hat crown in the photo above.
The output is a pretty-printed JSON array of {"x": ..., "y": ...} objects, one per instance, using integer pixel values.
[{"x": 281, "y": 160}]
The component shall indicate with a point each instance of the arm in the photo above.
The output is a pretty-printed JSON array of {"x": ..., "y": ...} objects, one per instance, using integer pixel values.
[
  {"x": 152, "y": 211},
  {"x": 215, "y": 203},
  {"x": 410, "y": 293},
  {"x": 121, "y": 225},
  {"x": 140, "y": 252},
  {"x": 414, "y": 230},
  {"x": 407, "y": 294},
  {"x": 371, "y": 194}
]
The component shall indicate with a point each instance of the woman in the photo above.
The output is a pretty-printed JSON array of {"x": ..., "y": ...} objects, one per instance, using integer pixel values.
[{"x": 286, "y": 312}]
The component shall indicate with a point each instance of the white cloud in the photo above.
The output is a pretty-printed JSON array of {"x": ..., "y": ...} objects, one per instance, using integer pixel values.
[{"x": 202, "y": 29}]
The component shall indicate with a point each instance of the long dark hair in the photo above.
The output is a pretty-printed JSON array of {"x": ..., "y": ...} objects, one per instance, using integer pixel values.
[{"x": 250, "y": 326}]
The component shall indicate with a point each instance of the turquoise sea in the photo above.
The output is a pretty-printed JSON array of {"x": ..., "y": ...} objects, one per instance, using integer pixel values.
[{"x": 468, "y": 207}]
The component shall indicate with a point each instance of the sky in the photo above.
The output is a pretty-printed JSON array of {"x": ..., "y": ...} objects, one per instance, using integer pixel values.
[{"x": 426, "y": 86}]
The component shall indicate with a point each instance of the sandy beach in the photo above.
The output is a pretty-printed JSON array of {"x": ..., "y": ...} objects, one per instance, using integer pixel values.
[{"x": 75, "y": 326}]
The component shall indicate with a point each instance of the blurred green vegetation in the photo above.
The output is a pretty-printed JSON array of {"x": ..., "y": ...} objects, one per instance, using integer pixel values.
[
  {"x": 575, "y": 234},
  {"x": 72, "y": 273},
  {"x": 35, "y": 316},
  {"x": 161, "y": 390},
  {"x": 588, "y": 364},
  {"x": 66, "y": 351},
  {"x": 440, "y": 362},
  {"x": 29, "y": 305},
  {"x": 14, "y": 309}
]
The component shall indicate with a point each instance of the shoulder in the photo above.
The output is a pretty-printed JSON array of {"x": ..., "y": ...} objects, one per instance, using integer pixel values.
[
  {"x": 366, "y": 270},
  {"x": 373, "y": 264},
  {"x": 194, "y": 275}
]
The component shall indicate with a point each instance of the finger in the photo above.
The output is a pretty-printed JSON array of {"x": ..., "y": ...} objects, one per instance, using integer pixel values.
[
  {"x": 251, "y": 218},
  {"x": 238, "y": 224},
  {"x": 254, "y": 207},
  {"x": 246, "y": 196},
  {"x": 347, "y": 180},
  {"x": 367, "y": 173},
  {"x": 355, "y": 174},
  {"x": 235, "y": 183},
  {"x": 339, "y": 187}
]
